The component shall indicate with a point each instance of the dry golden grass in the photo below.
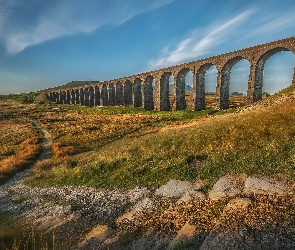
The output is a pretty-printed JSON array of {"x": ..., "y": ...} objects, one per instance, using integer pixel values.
[{"x": 20, "y": 144}]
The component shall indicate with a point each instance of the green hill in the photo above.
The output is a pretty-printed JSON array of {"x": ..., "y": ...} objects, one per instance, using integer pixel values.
[{"x": 72, "y": 84}]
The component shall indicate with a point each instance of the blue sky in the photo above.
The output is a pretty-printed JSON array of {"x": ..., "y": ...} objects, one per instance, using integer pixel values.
[{"x": 49, "y": 43}]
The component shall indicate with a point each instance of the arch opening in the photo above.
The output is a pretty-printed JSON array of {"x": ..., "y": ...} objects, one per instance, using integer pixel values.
[
  {"x": 278, "y": 72},
  {"x": 183, "y": 82},
  {"x": 234, "y": 82},
  {"x": 278, "y": 64},
  {"x": 206, "y": 82}
]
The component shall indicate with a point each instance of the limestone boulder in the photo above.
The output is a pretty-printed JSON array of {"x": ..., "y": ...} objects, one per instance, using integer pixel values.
[
  {"x": 226, "y": 186},
  {"x": 173, "y": 188},
  {"x": 262, "y": 185}
]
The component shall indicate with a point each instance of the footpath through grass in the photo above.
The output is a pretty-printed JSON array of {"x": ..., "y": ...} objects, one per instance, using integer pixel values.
[{"x": 123, "y": 150}]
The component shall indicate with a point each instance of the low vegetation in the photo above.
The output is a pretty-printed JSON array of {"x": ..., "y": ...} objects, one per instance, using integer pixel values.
[
  {"x": 20, "y": 144},
  {"x": 124, "y": 147}
]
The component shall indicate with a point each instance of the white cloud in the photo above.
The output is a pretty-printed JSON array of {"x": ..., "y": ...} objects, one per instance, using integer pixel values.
[
  {"x": 272, "y": 24},
  {"x": 61, "y": 18},
  {"x": 199, "y": 42}
]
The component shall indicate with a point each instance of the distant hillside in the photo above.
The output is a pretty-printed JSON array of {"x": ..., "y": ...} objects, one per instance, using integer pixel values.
[
  {"x": 72, "y": 84},
  {"x": 188, "y": 88}
]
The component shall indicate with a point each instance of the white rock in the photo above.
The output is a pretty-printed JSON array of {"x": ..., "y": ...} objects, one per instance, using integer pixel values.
[
  {"x": 262, "y": 185},
  {"x": 173, "y": 188},
  {"x": 226, "y": 186}
]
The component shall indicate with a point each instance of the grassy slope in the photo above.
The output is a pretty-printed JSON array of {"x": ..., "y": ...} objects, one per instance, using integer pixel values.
[{"x": 257, "y": 141}]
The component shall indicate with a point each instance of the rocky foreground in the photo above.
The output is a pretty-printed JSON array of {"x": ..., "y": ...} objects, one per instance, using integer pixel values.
[{"x": 238, "y": 212}]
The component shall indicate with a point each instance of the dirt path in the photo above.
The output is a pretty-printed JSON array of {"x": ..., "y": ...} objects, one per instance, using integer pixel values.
[{"x": 45, "y": 155}]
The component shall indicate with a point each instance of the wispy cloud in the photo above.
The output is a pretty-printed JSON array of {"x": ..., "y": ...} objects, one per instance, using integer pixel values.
[
  {"x": 199, "y": 42},
  {"x": 271, "y": 24},
  {"x": 61, "y": 18}
]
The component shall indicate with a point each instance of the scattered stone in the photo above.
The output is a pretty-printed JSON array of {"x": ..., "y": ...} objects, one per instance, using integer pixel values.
[
  {"x": 173, "y": 188},
  {"x": 97, "y": 236},
  {"x": 187, "y": 232},
  {"x": 247, "y": 238},
  {"x": 152, "y": 239},
  {"x": 145, "y": 205},
  {"x": 262, "y": 185},
  {"x": 236, "y": 205},
  {"x": 226, "y": 186}
]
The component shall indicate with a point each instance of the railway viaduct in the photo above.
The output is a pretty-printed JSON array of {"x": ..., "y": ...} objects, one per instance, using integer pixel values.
[{"x": 150, "y": 90}]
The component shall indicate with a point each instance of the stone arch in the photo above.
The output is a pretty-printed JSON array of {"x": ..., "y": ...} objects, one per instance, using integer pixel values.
[
  {"x": 104, "y": 95},
  {"x": 259, "y": 68},
  {"x": 137, "y": 93},
  {"x": 180, "y": 89},
  {"x": 200, "y": 91},
  {"x": 111, "y": 91},
  {"x": 225, "y": 81},
  {"x": 148, "y": 93},
  {"x": 128, "y": 93},
  {"x": 164, "y": 91},
  {"x": 119, "y": 94},
  {"x": 91, "y": 96}
]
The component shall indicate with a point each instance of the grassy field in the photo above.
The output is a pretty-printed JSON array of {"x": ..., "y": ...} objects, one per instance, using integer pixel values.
[
  {"x": 20, "y": 144},
  {"x": 123, "y": 147}
]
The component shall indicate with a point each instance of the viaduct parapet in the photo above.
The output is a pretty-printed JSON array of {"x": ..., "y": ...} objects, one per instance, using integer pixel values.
[{"x": 150, "y": 90}]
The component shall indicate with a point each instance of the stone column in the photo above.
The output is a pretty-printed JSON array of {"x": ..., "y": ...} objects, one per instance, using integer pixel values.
[
  {"x": 104, "y": 95},
  {"x": 111, "y": 92},
  {"x": 224, "y": 89},
  {"x": 251, "y": 83},
  {"x": 179, "y": 85},
  {"x": 218, "y": 88},
  {"x": 293, "y": 79},
  {"x": 82, "y": 99},
  {"x": 119, "y": 94},
  {"x": 86, "y": 97},
  {"x": 96, "y": 96},
  {"x": 128, "y": 94},
  {"x": 164, "y": 92},
  {"x": 200, "y": 103},
  {"x": 258, "y": 82},
  {"x": 91, "y": 96},
  {"x": 68, "y": 97},
  {"x": 157, "y": 94},
  {"x": 148, "y": 102},
  {"x": 57, "y": 97},
  {"x": 137, "y": 94},
  {"x": 77, "y": 101},
  {"x": 73, "y": 97}
]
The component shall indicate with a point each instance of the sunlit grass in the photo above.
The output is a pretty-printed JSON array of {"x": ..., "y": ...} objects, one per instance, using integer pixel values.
[
  {"x": 20, "y": 144},
  {"x": 149, "y": 150}
]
